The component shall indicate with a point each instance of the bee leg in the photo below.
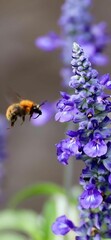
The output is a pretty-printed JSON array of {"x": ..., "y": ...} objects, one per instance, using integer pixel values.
[
  {"x": 12, "y": 124},
  {"x": 13, "y": 120},
  {"x": 36, "y": 116},
  {"x": 23, "y": 119},
  {"x": 30, "y": 117}
]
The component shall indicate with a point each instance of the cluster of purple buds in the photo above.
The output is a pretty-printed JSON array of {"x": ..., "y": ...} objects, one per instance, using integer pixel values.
[
  {"x": 88, "y": 106},
  {"x": 76, "y": 25}
]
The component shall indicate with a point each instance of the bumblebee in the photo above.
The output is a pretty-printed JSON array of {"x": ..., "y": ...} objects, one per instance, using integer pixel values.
[{"x": 21, "y": 109}]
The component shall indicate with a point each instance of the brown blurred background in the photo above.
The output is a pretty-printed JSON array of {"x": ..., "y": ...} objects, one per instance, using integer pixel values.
[{"x": 34, "y": 74}]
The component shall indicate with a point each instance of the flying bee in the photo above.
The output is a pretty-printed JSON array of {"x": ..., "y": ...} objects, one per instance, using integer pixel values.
[{"x": 21, "y": 109}]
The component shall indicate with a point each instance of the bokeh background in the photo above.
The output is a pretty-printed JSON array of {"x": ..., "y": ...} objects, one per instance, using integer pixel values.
[{"x": 34, "y": 74}]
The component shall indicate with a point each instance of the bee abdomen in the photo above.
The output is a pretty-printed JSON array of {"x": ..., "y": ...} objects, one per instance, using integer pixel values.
[{"x": 12, "y": 111}]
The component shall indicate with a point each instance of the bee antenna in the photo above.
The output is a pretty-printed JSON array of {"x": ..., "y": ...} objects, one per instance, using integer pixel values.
[{"x": 42, "y": 103}]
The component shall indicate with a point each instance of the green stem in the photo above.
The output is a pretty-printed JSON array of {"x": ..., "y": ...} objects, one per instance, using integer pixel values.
[
  {"x": 68, "y": 175},
  {"x": 69, "y": 169}
]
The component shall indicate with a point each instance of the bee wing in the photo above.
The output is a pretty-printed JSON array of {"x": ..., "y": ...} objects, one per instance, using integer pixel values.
[{"x": 12, "y": 96}]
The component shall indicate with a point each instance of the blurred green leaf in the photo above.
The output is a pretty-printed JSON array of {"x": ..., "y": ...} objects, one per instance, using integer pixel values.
[
  {"x": 11, "y": 236},
  {"x": 56, "y": 206},
  {"x": 38, "y": 227},
  {"x": 27, "y": 222},
  {"x": 50, "y": 214},
  {"x": 35, "y": 190}
]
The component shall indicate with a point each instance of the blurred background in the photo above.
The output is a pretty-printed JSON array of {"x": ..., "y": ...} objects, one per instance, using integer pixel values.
[{"x": 34, "y": 74}]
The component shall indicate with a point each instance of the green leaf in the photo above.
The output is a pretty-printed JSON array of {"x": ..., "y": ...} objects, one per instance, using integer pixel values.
[{"x": 35, "y": 190}]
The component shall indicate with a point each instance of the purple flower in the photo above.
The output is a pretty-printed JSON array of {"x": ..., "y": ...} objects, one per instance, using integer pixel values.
[
  {"x": 105, "y": 81},
  {"x": 3, "y": 138},
  {"x": 67, "y": 108},
  {"x": 3, "y": 148},
  {"x": 91, "y": 143},
  {"x": 67, "y": 148},
  {"x": 91, "y": 197},
  {"x": 100, "y": 59},
  {"x": 96, "y": 147},
  {"x": 109, "y": 178},
  {"x": 92, "y": 42},
  {"x": 64, "y": 116},
  {"x": 62, "y": 153},
  {"x": 48, "y": 42},
  {"x": 107, "y": 163},
  {"x": 76, "y": 24},
  {"x": 88, "y": 106},
  {"x": 62, "y": 226}
]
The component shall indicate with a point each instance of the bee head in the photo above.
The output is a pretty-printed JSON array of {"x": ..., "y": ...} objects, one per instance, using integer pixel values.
[{"x": 36, "y": 109}]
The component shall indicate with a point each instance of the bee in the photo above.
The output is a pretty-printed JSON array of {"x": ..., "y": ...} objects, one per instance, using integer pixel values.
[{"x": 21, "y": 109}]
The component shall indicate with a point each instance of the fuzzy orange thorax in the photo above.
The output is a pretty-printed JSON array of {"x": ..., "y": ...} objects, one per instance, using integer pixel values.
[{"x": 27, "y": 105}]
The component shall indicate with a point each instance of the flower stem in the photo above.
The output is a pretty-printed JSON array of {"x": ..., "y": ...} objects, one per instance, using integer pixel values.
[
  {"x": 69, "y": 169},
  {"x": 68, "y": 176}
]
